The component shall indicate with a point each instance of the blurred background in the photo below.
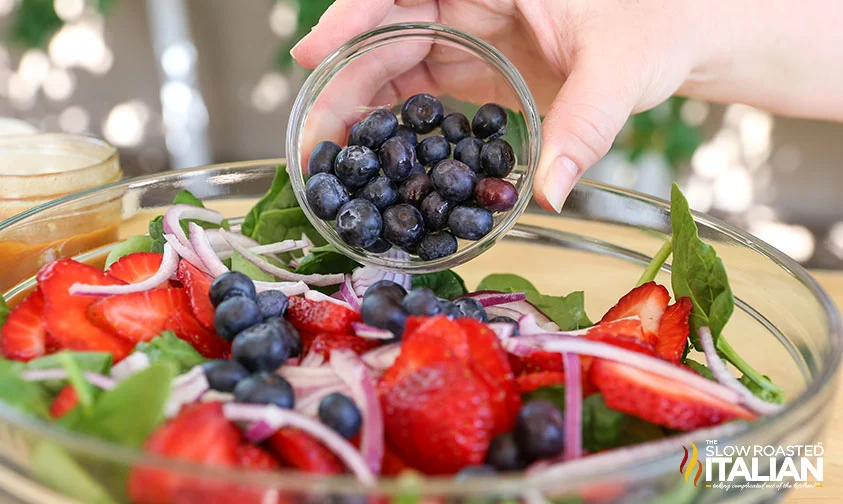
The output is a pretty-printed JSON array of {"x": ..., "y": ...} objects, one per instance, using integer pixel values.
[{"x": 182, "y": 83}]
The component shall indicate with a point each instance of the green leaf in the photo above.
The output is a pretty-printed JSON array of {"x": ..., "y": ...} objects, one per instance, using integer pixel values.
[
  {"x": 142, "y": 243},
  {"x": 568, "y": 312},
  {"x": 185, "y": 197},
  {"x": 324, "y": 260},
  {"x": 241, "y": 264},
  {"x": 446, "y": 283},
  {"x": 84, "y": 390},
  {"x": 697, "y": 272},
  {"x": 700, "y": 369},
  {"x": 4, "y": 311},
  {"x": 170, "y": 349},
  {"x": 279, "y": 196},
  {"x": 54, "y": 467},
  {"x": 156, "y": 232},
  {"x": 129, "y": 413},
  {"x": 773, "y": 396},
  {"x": 25, "y": 396},
  {"x": 95, "y": 362}
]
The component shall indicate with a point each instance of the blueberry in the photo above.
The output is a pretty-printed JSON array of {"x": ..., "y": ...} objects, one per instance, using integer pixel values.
[
  {"x": 501, "y": 319},
  {"x": 234, "y": 315},
  {"x": 467, "y": 151},
  {"x": 325, "y": 195},
  {"x": 539, "y": 430},
  {"x": 379, "y": 247},
  {"x": 387, "y": 288},
  {"x": 265, "y": 388},
  {"x": 224, "y": 374},
  {"x": 356, "y": 165},
  {"x": 353, "y": 138},
  {"x": 290, "y": 335},
  {"x": 495, "y": 195},
  {"x": 417, "y": 169},
  {"x": 435, "y": 245},
  {"x": 359, "y": 223},
  {"x": 322, "y": 158},
  {"x": 339, "y": 412},
  {"x": 231, "y": 284},
  {"x": 489, "y": 119},
  {"x": 403, "y": 225},
  {"x": 470, "y": 223},
  {"x": 397, "y": 159},
  {"x": 504, "y": 454},
  {"x": 381, "y": 308},
  {"x": 376, "y": 128},
  {"x": 422, "y": 113},
  {"x": 421, "y": 301},
  {"x": 449, "y": 309},
  {"x": 415, "y": 189},
  {"x": 272, "y": 303},
  {"x": 433, "y": 149},
  {"x": 453, "y": 180},
  {"x": 497, "y": 158},
  {"x": 407, "y": 134},
  {"x": 260, "y": 348},
  {"x": 380, "y": 191},
  {"x": 471, "y": 308},
  {"x": 477, "y": 471},
  {"x": 455, "y": 127},
  {"x": 435, "y": 210}
]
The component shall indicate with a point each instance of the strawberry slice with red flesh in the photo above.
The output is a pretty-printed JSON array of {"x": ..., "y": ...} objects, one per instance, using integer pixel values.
[
  {"x": 320, "y": 316},
  {"x": 391, "y": 464},
  {"x": 324, "y": 343},
  {"x": 530, "y": 382},
  {"x": 198, "y": 286},
  {"x": 206, "y": 341},
  {"x": 255, "y": 457},
  {"x": 674, "y": 330},
  {"x": 626, "y": 333},
  {"x": 23, "y": 335},
  {"x": 137, "y": 267},
  {"x": 64, "y": 402},
  {"x": 200, "y": 434},
  {"x": 301, "y": 451},
  {"x": 648, "y": 302},
  {"x": 65, "y": 315},
  {"x": 536, "y": 362},
  {"x": 139, "y": 316},
  {"x": 660, "y": 400}
]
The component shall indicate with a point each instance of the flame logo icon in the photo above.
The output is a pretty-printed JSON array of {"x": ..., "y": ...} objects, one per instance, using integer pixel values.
[{"x": 686, "y": 468}]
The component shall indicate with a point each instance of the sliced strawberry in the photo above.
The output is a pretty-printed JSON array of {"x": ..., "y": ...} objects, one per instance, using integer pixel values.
[
  {"x": 426, "y": 345},
  {"x": 659, "y": 400},
  {"x": 206, "y": 342},
  {"x": 438, "y": 419},
  {"x": 534, "y": 381},
  {"x": 391, "y": 464},
  {"x": 625, "y": 333},
  {"x": 300, "y": 451},
  {"x": 647, "y": 302},
  {"x": 320, "y": 316},
  {"x": 324, "y": 343},
  {"x": 201, "y": 434},
  {"x": 198, "y": 286},
  {"x": 137, "y": 267},
  {"x": 65, "y": 314},
  {"x": 674, "y": 330},
  {"x": 139, "y": 316},
  {"x": 64, "y": 402},
  {"x": 536, "y": 362},
  {"x": 23, "y": 335},
  {"x": 255, "y": 457}
]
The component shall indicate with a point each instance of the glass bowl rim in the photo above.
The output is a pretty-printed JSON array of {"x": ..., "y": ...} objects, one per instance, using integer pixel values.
[
  {"x": 60, "y": 140},
  {"x": 296, "y": 481},
  {"x": 335, "y": 61}
]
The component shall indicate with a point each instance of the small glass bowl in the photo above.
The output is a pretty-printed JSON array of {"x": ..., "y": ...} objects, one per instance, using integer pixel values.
[{"x": 384, "y": 67}]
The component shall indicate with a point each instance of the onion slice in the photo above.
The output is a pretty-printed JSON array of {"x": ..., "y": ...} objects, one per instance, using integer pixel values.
[
  {"x": 494, "y": 298},
  {"x": 276, "y": 418},
  {"x": 725, "y": 378},
  {"x": 288, "y": 288},
  {"x": 309, "y": 402},
  {"x": 202, "y": 246},
  {"x": 169, "y": 265},
  {"x": 503, "y": 330},
  {"x": 382, "y": 358},
  {"x": 186, "y": 388},
  {"x": 348, "y": 295},
  {"x": 186, "y": 252},
  {"x": 135, "y": 362},
  {"x": 573, "y": 406},
  {"x": 315, "y": 295},
  {"x": 319, "y": 280},
  {"x": 176, "y": 213},
  {"x": 369, "y": 332},
  {"x": 95, "y": 379}
]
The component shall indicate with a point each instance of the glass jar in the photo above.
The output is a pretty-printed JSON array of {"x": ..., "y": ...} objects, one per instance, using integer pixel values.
[{"x": 387, "y": 65}]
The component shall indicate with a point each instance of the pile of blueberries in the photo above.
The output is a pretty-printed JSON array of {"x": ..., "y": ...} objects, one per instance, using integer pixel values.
[
  {"x": 386, "y": 305},
  {"x": 390, "y": 188},
  {"x": 262, "y": 341}
]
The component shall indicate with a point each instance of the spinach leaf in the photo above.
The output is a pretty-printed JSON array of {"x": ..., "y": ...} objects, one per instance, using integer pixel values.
[
  {"x": 54, "y": 467},
  {"x": 239, "y": 263},
  {"x": 156, "y": 232},
  {"x": 156, "y": 225},
  {"x": 11, "y": 367},
  {"x": 700, "y": 369},
  {"x": 773, "y": 396},
  {"x": 568, "y": 312},
  {"x": 131, "y": 411},
  {"x": 141, "y": 243},
  {"x": 324, "y": 260},
  {"x": 170, "y": 349},
  {"x": 446, "y": 283},
  {"x": 96, "y": 362},
  {"x": 4, "y": 311},
  {"x": 697, "y": 272},
  {"x": 279, "y": 196},
  {"x": 185, "y": 197},
  {"x": 84, "y": 390},
  {"x": 25, "y": 396}
]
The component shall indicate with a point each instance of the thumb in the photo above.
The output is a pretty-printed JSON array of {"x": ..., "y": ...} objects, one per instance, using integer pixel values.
[{"x": 579, "y": 129}]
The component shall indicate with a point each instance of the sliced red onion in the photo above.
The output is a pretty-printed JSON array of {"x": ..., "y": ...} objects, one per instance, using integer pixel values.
[
  {"x": 725, "y": 378},
  {"x": 503, "y": 330},
  {"x": 527, "y": 326},
  {"x": 186, "y": 388},
  {"x": 95, "y": 379},
  {"x": 356, "y": 376},
  {"x": 573, "y": 406},
  {"x": 564, "y": 343},
  {"x": 176, "y": 213},
  {"x": 347, "y": 294},
  {"x": 312, "y": 359},
  {"x": 211, "y": 395},
  {"x": 319, "y": 280},
  {"x": 308, "y": 244},
  {"x": 276, "y": 418},
  {"x": 169, "y": 265},
  {"x": 293, "y": 362},
  {"x": 310, "y": 376},
  {"x": 315, "y": 295},
  {"x": 382, "y": 357},
  {"x": 186, "y": 253},
  {"x": 362, "y": 278},
  {"x": 521, "y": 308},
  {"x": 288, "y": 288},
  {"x": 500, "y": 311},
  {"x": 207, "y": 254},
  {"x": 271, "y": 248},
  {"x": 369, "y": 332},
  {"x": 494, "y": 298},
  {"x": 135, "y": 362},
  {"x": 308, "y": 403}
]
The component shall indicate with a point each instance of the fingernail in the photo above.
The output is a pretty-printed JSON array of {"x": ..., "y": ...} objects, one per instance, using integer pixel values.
[
  {"x": 561, "y": 177},
  {"x": 293, "y": 50}
]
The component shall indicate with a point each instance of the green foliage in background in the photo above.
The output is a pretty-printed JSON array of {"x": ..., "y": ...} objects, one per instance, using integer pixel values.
[
  {"x": 34, "y": 22},
  {"x": 309, "y": 13}
]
